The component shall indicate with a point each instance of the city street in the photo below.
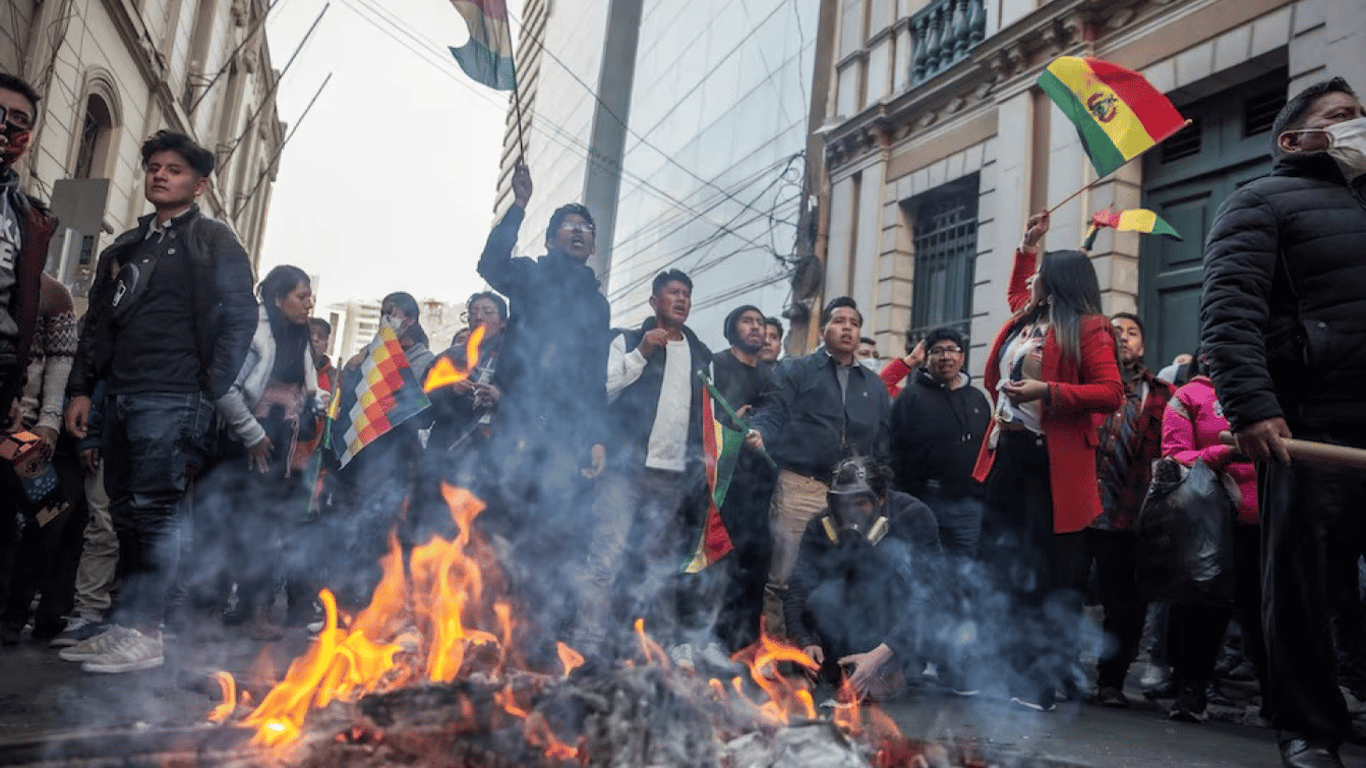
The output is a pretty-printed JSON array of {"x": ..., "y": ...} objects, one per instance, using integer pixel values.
[{"x": 45, "y": 699}]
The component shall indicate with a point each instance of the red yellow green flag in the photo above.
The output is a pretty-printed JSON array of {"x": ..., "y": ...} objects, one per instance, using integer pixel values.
[
  {"x": 722, "y": 447},
  {"x": 1133, "y": 220},
  {"x": 1118, "y": 114},
  {"x": 487, "y": 57}
]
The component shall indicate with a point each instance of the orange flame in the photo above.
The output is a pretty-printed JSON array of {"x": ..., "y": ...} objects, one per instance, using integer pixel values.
[
  {"x": 848, "y": 717},
  {"x": 786, "y": 698},
  {"x": 653, "y": 653},
  {"x": 538, "y": 734},
  {"x": 570, "y": 658},
  {"x": 444, "y": 373},
  {"x": 229, "y": 688}
]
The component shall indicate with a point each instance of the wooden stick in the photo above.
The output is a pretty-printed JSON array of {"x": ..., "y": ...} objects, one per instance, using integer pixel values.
[
  {"x": 517, "y": 116},
  {"x": 1072, "y": 196},
  {"x": 1320, "y": 453}
]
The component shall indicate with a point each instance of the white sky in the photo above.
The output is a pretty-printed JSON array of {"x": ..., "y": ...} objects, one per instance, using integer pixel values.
[{"x": 388, "y": 185}]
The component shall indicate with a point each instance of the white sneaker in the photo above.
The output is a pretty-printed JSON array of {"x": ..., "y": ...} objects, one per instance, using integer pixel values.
[
  {"x": 132, "y": 651},
  {"x": 94, "y": 646}
]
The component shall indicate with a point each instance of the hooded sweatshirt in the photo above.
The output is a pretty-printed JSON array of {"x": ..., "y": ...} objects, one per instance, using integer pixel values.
[{"x": 936, "y": 432}]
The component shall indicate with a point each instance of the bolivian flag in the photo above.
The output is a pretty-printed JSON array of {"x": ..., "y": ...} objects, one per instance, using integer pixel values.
[
  {"x": 1118, "y": 114},
  {"x": 1133, "y": 220},
  {"x": 487, "y": 57},
  {"x": 722, "y": 447}
]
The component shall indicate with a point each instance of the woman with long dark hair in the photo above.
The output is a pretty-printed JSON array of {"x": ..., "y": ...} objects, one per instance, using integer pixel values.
[
  {"x": 1054, "y": 373},
  {"x": 268, "y": 412}
]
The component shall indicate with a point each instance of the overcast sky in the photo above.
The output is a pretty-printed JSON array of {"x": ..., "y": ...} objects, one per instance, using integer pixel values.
[{"x": 388, "y": 184}]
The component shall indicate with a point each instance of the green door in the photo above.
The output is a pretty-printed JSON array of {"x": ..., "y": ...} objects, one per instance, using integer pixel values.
[{"x": 1185, "y": 181}]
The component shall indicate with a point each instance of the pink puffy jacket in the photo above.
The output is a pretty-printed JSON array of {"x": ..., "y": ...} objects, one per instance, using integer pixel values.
[{"x": 1190, "y": 431}]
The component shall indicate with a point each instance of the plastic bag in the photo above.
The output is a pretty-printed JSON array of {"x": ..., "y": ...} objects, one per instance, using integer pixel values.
[{"x": 1185, "y": 536}]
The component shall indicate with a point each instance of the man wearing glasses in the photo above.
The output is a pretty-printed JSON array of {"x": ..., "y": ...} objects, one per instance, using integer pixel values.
[
  {"x": 25, "y": 227},
  {"x": 937, "y": 424},
  {"x": 550, "y": 424}
]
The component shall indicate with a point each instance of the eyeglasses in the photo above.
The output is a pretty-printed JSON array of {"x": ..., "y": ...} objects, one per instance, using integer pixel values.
[
  {"x": 16, "y": 118},
  {"x": 945, "y": 351},
  {"x": 580, "y": 226}
]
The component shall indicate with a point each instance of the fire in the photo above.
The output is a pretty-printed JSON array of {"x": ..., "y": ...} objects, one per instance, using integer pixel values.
[
  {"x": 229, "y": 688},
  {"x": 436, "y": 616},
  {"x": 570, "y": 658},
  {"x": 444, "y": 373}
]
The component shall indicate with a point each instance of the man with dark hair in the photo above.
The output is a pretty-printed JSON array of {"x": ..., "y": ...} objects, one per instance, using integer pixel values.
[
  {"x": 742, "y": 380},
  {"x": 171, "y": 317},
  {"x": 820, "y": 408},
  {"x": 863, "y": 578},
  {"x": 1129, "y": 441},
  {"x": 549, "y": 430},
  {"x": 1284, "y": 297},
  {"x": 937, "y": 425},
  {"x": 773, "y": 341},
  {"x": 25, "y": 228},
  {"x": 647, "y": 500}
]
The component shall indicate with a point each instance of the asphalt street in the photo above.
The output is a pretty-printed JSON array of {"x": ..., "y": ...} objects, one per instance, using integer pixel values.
[{"x": 45, "y": 698}]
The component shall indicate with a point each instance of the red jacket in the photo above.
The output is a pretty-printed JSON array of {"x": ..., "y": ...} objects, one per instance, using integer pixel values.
[{"x": 1080, "y": 396}]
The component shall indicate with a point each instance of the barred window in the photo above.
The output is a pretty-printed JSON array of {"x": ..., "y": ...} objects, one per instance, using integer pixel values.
[{"x": 945, "y": 242}]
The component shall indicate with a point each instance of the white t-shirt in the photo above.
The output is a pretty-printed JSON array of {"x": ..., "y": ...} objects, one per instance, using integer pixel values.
[{"x": 669, "y": 435}]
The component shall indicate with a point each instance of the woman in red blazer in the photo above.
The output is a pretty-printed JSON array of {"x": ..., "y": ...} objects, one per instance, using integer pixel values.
[{"x": 1054, "y": 374}]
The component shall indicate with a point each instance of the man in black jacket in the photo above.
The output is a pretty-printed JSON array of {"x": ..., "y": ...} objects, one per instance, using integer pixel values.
[
  {"x": 937, "y": 425},
  {"x": 867, "y": 567},
  {"x": 549, "y": 430},
  {"x": 171, "y": 317},
  {"x": 821, "y": 408},
  {"x": 647, "y": 500},
  {"x": 1284, "y": 326},
  {"x": 741, "y": 378},
  {"x": 25, "y": 228}
]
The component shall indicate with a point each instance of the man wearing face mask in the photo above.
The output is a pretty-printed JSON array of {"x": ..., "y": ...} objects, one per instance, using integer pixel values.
[
  {"x": 1284, "y": 324},
  {"x": 25, "y": 227}
]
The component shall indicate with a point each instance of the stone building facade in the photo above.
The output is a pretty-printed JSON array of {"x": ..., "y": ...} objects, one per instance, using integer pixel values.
[
  {"x": 938, "y": 145},
  {"x": 111, "y": 73}
]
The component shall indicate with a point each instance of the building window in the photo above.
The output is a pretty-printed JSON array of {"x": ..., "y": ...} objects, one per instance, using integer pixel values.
[
  {"x": 94, "y": 144},
  {"x": 945, "y": 242}
]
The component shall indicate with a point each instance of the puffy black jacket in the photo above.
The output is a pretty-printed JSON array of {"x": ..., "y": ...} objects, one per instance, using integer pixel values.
[
  {"x": 936, "y": 432},
  {"x": 225, "y": 307},
  {"x": 1283, "y": 314}
]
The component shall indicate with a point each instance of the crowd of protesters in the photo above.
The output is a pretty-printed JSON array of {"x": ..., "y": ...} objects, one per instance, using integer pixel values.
[{"x": 876, "y": 509}]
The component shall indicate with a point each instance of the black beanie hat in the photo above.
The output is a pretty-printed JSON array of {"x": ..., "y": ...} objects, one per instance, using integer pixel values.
[{"x": 734, "y": 317}]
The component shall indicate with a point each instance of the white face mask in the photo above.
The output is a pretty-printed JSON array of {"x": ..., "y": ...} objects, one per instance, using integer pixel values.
[
  {"x": 871, "y": 363},
  {"x": 1346, "y": 145},
  {"x": 394, "y": 323}
]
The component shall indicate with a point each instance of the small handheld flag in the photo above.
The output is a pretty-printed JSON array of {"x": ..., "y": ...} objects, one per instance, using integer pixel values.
[
  {"x": 1118, "y": 114},
  {"x": 487, "y": 57},
  {"x": 384, "y": 393},
  {"x": 721, "y": 446},
  {"x": 1133, "y": 220}
]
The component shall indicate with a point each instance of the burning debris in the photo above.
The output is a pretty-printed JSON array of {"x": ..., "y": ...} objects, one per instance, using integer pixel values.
[{"x": 430, "y": 674}]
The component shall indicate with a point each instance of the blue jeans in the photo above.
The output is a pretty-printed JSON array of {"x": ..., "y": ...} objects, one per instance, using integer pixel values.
[{"x": 153, "y": 444}]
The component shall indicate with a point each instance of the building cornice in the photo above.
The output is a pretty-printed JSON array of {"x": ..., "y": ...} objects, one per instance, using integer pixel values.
[{"x": 1002, "y": 63}]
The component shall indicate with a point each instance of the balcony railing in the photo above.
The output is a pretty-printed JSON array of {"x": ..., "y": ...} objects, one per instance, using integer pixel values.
[{"x": 943, "y": 33}]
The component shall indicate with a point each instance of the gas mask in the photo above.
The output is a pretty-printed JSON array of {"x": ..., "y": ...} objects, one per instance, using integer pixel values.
[{"x": 1346, "y": 145}]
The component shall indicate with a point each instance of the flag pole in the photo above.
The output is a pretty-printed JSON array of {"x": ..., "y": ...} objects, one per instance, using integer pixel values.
[{"x": 517, "y": 117}]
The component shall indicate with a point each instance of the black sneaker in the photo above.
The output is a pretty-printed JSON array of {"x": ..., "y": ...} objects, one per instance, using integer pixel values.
[
  {"x": 1110, "y": 696},
  {"x": 77, "y": 630},
  {"x": 1190, "y": 702}
]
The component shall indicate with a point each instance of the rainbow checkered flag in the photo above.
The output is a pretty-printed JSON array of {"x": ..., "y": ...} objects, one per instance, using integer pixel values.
[
  {"x": 384, "y": 395},
  {"x": 722, "y": 447}
]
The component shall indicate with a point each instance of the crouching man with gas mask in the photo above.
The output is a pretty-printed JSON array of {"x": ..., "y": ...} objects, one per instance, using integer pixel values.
[{"x": 865, "y": 572}]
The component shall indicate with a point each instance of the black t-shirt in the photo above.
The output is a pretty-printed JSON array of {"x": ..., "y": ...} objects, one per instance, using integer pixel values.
[
  {"x": 155, "y": 348},
  {"x": 738, "y": 383}
]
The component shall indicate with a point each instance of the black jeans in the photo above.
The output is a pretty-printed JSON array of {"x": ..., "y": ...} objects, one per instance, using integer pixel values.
[
  {"x": 1196, "y": 632},
  {"x": 1041, "y": 573},
  {"x": 745, "y": 514},
  {"x": 1115, "y": 553},
  {"x": 1313, "y": 531},
  {"x": 47, "y": 552},
  {"x": 153, "y": 444}
]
